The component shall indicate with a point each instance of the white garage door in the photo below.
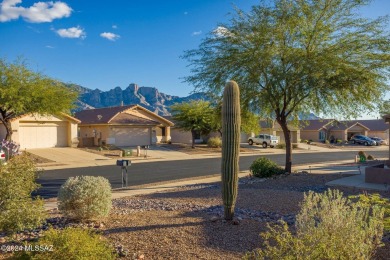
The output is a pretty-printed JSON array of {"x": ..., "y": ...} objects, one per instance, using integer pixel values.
[
  {"x": 125, "y": 136},
  {"x": 45, "y": 135}
]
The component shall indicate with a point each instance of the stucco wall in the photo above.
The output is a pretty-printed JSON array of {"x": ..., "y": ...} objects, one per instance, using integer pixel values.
[
  {"x": 178, "y": 136},
  {"x": 310, "y": 135}
]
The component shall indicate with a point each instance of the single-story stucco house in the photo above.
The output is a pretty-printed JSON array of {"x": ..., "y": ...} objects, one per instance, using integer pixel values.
[
  {"x": 272, "y": 127},
  {"x": 37, "y": 131},
  {"x": 320, "y": 130},
  {"x": 130, "y": 125}
]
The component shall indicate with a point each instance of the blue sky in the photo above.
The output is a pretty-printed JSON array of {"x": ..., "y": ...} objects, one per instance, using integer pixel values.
[{"x": 103, "y": 44}]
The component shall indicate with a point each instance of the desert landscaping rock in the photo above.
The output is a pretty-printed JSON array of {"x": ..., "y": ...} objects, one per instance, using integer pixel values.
[{"x": 188, "y": 222}]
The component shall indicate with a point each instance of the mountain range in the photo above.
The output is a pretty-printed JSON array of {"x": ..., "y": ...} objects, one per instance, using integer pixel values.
[{"x": 148, "y": 97}]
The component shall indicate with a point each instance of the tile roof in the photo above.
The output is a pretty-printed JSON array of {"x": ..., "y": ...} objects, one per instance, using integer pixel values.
[
  {"x": 127, "y": 119},
  {"x": 314, "y": 124},
  {"x": 100, "y": 115},
  {"x": 372, "y": 124}
]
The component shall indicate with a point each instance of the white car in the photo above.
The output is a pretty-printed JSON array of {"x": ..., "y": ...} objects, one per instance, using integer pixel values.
[{"x": 264, "y": 139}]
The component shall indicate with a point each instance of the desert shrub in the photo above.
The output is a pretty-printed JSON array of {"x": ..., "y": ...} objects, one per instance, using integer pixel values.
[
  {"x": 18, "y": 210},
  {"x": 370, "y": 157},
  {"x": 281, "y": 146},
  {"x": 304, "y": 141},
  {"x": 339, "y": 141},
  {"x": 69, "y": 243},
  {"x": 369, "y": 200},
  {"x": 85, "y": 198},
  {"x": 214, "y": 142},
  {"x": 328, "y": 226},
  {"x": 294, "y": 146},
  {"x": 263, "y": 167},
  {"x": 327, "y": 142}
]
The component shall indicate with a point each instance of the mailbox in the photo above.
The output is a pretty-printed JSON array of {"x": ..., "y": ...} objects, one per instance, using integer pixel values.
[{"x": 123, "y": 163}]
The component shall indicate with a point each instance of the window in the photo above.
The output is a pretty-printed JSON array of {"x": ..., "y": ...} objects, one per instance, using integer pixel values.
[{"x": 322, "y": 135}]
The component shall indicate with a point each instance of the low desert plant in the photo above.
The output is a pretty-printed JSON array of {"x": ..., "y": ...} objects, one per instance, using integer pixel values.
[
  {"x": 327, "y": 142},
  {"x": 339, "y": 141},
  {"x": 85, "y": 198},
  {"x": 370, "y": 157},
  {"x": 304, "y": 141},
  {"x": 281, "y": 146},
  {"x": 328, "y": 226},
  {"x": 263, "y": 168},
  {"x": 369, "y": 200},
  {"x": 294, "y": 146},
  {"x": 69, "y": 243},
  {"x": 214, "y": 142},
  {"x": 18, "y": 210}
]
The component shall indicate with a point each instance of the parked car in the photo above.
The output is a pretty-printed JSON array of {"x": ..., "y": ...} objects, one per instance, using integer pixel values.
[
  {"x": 379, "y": 141},
  {"x": 264, "y": 139},
  {"x": 362, "y": 139}
]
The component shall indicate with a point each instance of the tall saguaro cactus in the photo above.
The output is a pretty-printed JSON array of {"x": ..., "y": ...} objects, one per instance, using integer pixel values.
[{"x": 231, "y": 122}]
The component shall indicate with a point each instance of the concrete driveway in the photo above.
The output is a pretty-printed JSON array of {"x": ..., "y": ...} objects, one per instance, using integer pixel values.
[{"x": 70, "y": 156}]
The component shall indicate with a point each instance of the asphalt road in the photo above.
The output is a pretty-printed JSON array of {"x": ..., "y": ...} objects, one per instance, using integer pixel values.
[{"x": 162, "y": 171}]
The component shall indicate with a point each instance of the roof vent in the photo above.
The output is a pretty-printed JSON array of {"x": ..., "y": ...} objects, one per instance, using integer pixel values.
[{"x": 99, "y": 117}]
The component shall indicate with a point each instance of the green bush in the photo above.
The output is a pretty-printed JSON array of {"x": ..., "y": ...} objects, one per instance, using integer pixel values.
[
  {"x": 281, "y": 146},
  {"x": 18, "y": 210},
  {"x": 295, "y": 146},
  {"x": 263, "y": 168},
  {"x": 339, "y": 141},
  {"x": 214, "y": 142},
  {"x": 85, "y": 198},
  {"x": 327, "y": 142},
  {"x": 69, "y": 243},
  {"x": 304, "y": 141},
  {"x": 328, "y": 226},
  {"x": 367, "y": 200}
]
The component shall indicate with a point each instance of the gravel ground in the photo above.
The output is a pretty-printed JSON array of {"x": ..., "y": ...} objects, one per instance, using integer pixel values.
[{"x": 187, "y": 223}]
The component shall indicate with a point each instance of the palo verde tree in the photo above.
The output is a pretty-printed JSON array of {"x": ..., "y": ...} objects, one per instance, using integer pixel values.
[
  {"x": 297, "y": 56},
  {"x": 195, "y": 116},
  {"x": 23, "y": 91}
]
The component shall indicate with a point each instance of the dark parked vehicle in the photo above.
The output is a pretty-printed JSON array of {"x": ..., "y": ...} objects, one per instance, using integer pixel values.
[
  {"x": 362, "y": 139},
  {"x": 379, "y": 141}
]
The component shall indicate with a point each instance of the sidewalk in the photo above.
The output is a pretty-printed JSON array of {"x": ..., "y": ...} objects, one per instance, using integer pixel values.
[{"x": 342, "y": 167}]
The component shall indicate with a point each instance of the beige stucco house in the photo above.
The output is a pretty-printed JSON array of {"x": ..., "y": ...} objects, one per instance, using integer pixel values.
[
  {"x": 122, "y": 126},
  {"x": 272, "y": 127},
  {"x": 320, "y": 130},
  {"x": 37, "y": 131}
]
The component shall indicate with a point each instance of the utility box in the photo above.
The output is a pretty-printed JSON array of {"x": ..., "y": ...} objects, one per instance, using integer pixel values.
[{"x": 127, "y": 152}]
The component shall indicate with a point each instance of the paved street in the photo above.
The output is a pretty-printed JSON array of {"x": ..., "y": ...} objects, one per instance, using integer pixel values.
[{"x": 162, "y": 171}]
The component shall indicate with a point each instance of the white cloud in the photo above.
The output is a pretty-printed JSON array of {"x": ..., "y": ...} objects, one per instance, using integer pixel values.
[
  {"x": 221, "y": 31},
  {"x": 73, "y": 32},
  {"x": 110, "y": 36},
  {"x": 197, "y": 33},
  {"x": 39, "y": 12},
  {"x": 185, "y": 13},
  {"x": 114, "y": 27},
  {"x": 49, "y": 47}
]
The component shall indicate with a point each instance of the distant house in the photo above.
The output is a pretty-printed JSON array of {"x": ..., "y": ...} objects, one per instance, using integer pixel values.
[
  {"x": 330, "y": 129},
  {"x": 37, "y": 131},
  {"x": 273, "y": 128},
  {"x": 130, "y": 125}
]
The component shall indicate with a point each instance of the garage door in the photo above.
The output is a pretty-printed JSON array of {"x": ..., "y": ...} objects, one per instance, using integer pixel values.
[
  {"x": 125, "y": 136},
  {"x": 44, "y": 135}
]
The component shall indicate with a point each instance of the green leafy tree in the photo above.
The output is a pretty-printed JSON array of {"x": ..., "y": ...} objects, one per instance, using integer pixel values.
[
  {"x": 297, "y": 56},
  {"x": 195, "y": 116},
  {"x": 23, "y": 91}
]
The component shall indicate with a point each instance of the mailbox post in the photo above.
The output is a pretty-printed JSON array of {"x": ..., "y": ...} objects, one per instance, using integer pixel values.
[
  {"x": 123, "y": 164},
  {"x": 146, "y": 147}
]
